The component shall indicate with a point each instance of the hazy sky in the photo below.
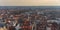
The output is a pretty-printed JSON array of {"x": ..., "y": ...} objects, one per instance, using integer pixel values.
[{"x": 29, "y": 2}]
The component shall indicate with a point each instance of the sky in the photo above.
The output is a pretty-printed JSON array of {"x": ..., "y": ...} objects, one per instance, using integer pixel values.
[{"x": 29, "y": 2}]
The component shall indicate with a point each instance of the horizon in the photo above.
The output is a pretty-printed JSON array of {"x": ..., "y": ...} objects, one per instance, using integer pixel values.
[{"x": 32, "y": 7}]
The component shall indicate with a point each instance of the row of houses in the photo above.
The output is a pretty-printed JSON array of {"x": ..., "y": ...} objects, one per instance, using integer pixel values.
[{"x": 36, "y": 20}]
